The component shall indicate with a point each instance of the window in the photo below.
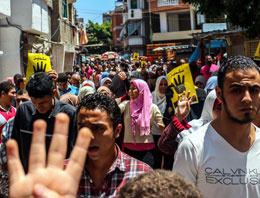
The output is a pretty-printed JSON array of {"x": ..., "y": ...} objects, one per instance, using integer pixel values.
[
  {"x": 184, "y": 22},
  {"x": 64, "y": 9},
  {"x": 133, "y": 4},
  {"x": 178, "y": 22}
]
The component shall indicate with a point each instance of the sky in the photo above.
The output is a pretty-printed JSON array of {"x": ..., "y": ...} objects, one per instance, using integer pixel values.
[{"x": 93, "y": 9}]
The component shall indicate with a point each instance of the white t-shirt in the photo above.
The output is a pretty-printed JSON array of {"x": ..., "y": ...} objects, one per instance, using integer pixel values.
[{"x": 216, "y": 168}]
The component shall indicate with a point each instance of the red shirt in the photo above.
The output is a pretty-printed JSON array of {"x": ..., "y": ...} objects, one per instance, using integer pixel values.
[
  {"x": 123, "y": 169},
  {"x": 167, "y": 142}
]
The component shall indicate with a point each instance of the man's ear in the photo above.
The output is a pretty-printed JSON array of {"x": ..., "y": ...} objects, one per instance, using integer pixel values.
[
  {"x": 219, "y": 93},
  {"x": 2, "y": 93},
  {"x": 118, "y": 130},
  {"x": 54, "y": 91}
]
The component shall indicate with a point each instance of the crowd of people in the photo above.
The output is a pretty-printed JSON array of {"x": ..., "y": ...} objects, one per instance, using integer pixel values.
[{"x": 110, "y": 129}]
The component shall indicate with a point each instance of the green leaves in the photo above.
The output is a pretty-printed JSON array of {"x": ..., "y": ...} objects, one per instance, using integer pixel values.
[
  {"x": 243, "y": 13},
  {"x": 99, "y": 34}
]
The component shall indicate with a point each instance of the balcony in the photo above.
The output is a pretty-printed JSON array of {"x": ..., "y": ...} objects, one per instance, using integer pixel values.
[
  {"x": 134, "y": 41},
  {"x": 31, "y": 15},
  {"x": 162, "y": 3},
  {"x": 135, "y": 14},
  {"x": 5, "y": 8},
  {"x": 170, "y": 36}
]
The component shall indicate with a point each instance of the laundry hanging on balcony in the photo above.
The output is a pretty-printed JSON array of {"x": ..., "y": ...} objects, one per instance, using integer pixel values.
[
  {"x": 121, "y": 34},
  {"x": 133, "y": 27}
]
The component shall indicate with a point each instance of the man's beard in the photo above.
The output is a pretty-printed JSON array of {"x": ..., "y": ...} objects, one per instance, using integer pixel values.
[{"x": 247, "y": 120}]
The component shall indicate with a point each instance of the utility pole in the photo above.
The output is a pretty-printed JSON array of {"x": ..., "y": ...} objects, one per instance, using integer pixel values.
[{"x": 150, "y": 22}]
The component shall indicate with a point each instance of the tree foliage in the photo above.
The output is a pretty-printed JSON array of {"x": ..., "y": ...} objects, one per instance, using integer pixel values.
[
  {"x": 243, "y": 13},
  {"x": 99, "y": 34}
]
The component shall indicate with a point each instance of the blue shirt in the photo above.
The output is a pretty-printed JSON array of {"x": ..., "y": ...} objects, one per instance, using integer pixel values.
[
  {"x": 76, "y": 89},
  {"x": 71, "y": 89}
]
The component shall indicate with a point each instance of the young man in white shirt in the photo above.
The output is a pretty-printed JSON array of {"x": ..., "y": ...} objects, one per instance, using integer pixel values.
[{"x": 222, "y": 158}]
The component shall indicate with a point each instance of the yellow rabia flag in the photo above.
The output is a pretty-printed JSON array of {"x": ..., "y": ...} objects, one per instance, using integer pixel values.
[
  {"x": 37, "y": 63},
  {"x": 136, "y": 57},
  {"x": 257, "y": 52},
  {"x": 143, "y": 63},
  {"x": 180, "y": 79}
]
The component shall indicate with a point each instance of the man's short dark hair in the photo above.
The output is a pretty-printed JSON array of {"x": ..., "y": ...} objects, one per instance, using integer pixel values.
[
  {"x": 124, "y": 66},
  {"x": 62, "y": 77},
  {"x": 21, "y": 92},
  {"x": 6, "y": 87},
  {"x": 17, "y": 76},
  {"x": 235, "y": 63},
  {"x": 20, "y": 80},
  {"x": 83, "y": 75},
  {"x": 102, "y": 102},
  {"x": 39, "y": 85},
  {"x": 159, "y": 184},
  {"x": 69, "y": 73}
]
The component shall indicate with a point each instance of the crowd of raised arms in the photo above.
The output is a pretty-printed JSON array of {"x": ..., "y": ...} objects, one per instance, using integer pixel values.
[{"x": 111, "y": 129}]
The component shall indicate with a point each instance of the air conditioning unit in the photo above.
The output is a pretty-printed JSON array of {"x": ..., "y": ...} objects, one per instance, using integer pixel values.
[{"x": 135, "y": 14}]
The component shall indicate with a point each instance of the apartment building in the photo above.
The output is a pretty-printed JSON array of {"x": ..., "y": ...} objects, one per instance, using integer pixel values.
[
  {"x": 136, "y": 26},
  {"x": 36, "y": 26},
  {"x": 177, "y": 21},
  {"x": 65, "y": 35}
]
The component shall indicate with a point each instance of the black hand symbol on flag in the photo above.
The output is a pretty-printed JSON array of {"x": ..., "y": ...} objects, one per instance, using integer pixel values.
[
  {"x": 179, "y": 84},
  {"x": 39, "y": 68}
]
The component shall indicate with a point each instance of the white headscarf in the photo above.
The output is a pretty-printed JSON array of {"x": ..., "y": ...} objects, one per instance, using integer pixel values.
[
  {"x": 211, "y": 83},
  {"x": 83, "y": 91},
  {"x": 158, "y": 98},
  {"x": 206, "y": 116},
  {"x": 104, "y": 80}
]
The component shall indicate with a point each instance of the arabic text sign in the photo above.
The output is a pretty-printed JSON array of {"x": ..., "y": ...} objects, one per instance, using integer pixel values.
[
  {"x": 37, "y": 63},
  {"x": 181, "y": 79}
]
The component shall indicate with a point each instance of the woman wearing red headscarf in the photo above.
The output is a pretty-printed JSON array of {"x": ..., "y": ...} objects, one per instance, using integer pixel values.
[{"x": 139, "y": 116}]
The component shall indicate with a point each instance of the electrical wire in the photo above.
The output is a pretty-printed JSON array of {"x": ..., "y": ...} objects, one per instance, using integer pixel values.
[
  {"x": 55, "y": 31},
  {"x": 12, "y": 52}
]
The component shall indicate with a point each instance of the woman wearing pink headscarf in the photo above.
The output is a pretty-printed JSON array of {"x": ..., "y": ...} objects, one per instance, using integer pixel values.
[{"x": 139, "y": 116}]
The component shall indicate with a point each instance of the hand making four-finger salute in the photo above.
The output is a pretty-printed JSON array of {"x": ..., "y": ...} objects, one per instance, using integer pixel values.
[
  {"x": 48, "y": 179},
  {"x": 184, "y": 102}
]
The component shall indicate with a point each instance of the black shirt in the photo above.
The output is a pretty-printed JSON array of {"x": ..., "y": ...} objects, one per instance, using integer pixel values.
[{"x": 26, "y": 114}]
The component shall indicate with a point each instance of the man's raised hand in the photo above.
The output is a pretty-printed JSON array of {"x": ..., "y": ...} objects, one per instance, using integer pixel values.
[
  {"x": 184, "y": 102},
  {"x": 48, "y": 179}
]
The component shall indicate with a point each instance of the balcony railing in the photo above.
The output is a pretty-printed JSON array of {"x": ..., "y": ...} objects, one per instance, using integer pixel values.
[{"x": 167, "y": 2}]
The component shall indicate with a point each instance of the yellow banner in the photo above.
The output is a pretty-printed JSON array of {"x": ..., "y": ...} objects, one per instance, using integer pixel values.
[
  {"x": 257, "y": 52},
  {"x": 37, "y": 63},
  {"x": 143, "y": 63},
  {"x": 181, "y": 80},
  {"x": 136, "y": 56}
]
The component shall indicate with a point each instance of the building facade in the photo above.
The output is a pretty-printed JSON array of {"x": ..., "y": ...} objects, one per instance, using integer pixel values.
[
  {"x": 65, "y": 35},
  {"x": 27, "y": 19},
  {"x": 135, "y": 26},
  {"x": 117, "y": 25},
  {"x": 36, "y": 26},
  {"x": 177, "y": 21},
  {"x": 157, "y": 21}
]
